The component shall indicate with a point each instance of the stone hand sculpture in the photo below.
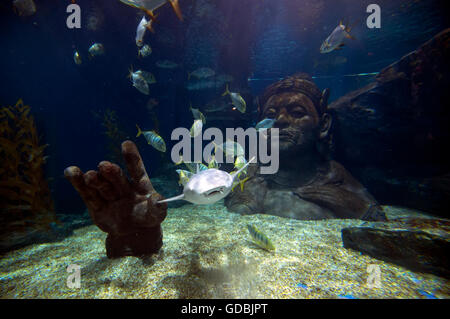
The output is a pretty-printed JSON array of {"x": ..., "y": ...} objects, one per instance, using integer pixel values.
[{"x": 124, "y": 208}]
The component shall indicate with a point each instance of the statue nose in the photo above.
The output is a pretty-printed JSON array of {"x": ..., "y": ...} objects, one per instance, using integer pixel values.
[{"x": 282, "y": 120}]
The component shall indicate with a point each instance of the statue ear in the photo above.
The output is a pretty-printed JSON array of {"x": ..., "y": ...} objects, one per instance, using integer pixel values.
[
  {"x": 325, "y": 125},
  {"x": 324, "y": 99}
]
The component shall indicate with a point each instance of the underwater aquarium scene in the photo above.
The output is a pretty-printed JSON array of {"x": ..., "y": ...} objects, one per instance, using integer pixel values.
[{"x": 224, "y": 149}]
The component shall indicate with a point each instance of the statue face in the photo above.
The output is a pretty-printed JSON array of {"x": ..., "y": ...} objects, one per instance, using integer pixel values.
[{"x": 297, "y": 120}]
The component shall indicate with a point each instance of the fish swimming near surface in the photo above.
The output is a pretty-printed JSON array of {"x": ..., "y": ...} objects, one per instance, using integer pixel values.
[
  {"x": 77, "y": 58},
  {"x": 148, "y": 6},
  {"x": 236, "y": 100},
  {"x": 265, "y": 124},
  {"x": 206, "y": 187},
  {"x": 153, "y": 139},
  {"x": 335, "y": 40},
  {"x": 96, "y": 49},
  {"x": 202, "y": 73},
  {"x": 259, "y": 238},
  {"x": 140, "y": 31},
  {"x": 166, "y": 64}
]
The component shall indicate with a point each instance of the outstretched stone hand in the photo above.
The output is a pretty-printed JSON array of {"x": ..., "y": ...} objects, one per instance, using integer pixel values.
[{"x": 124, "y": 208}]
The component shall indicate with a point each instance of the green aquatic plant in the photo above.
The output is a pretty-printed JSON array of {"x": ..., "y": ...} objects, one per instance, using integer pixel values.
[
  {"x": 115, "y": 135},
  {"x": 24, "y": 192}
]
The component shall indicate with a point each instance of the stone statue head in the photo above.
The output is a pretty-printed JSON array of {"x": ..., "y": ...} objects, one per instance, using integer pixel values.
[{"x": 300, "y": 111}]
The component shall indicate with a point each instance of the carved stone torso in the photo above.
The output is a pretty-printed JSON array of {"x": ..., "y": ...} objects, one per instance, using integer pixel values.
[{"x": 334, "y": 193}]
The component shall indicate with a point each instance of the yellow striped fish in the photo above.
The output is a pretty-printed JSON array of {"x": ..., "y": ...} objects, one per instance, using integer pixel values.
[
  {"x": 259, "y": 238},
  {"x": 153, "y": 139}
]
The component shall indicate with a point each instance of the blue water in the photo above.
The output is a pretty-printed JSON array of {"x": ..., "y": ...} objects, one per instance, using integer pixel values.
[{"x": 257, "y": 42}]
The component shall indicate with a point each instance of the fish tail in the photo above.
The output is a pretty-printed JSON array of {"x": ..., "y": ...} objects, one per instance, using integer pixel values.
[
  {"x": 242, "y": 168},
  {"x": 243, "y": 182},
  {"x": 130, "y": 71},
  {"x": 176, "y": 8},
  {"x": 226, "y": 91},
  {"x": 180, "y": 161},
  {"x": 139, "y": 131},
  {"x": 149, "y": 27},
  {"x": 149, "y": 13}
]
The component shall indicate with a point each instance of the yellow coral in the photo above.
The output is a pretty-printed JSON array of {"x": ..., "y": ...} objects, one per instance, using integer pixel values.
[{"x": 24, "y": 192}]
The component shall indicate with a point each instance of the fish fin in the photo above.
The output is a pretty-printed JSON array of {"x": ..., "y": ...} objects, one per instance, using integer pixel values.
[
  {"x": 181, "y": 160},
  {"x": 171, "y": 199},
  {"x": 242, "y": 183},
  {"x": 242, "y": 168},
  {"x": 176, "y": 8},
  {"x": 349, "y": 36},
  {"x": 226, "y": 90},
  {"x": 149, "y": 27},
  {"x": 130, "y": 71},
  {"x": 149, "y": 13},
  {"x": 139, "y": 131}
]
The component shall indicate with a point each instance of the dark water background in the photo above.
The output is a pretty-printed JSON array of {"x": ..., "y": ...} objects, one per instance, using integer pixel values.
[{"x": 261, "y": 40}]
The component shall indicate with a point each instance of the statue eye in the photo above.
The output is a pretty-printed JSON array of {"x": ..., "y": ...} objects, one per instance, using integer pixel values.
[
  {"x": 297, "y": 112},
  {"x": 270, "y": 112}
]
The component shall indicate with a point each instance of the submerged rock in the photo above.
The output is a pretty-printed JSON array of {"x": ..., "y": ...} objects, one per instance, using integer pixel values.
[
  {"x": 391, "y": 133},
  {"x": 421, "y": 245}
]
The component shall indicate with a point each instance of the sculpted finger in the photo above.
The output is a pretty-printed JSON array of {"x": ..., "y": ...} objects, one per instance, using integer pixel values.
[
  {"x": 147, "y": 213},
  {"x": 139, "y": 178},
  {"x": 90, "y": 196},
  {"x": 103, "y": 187},
  {"x": 115, "y": 176}
]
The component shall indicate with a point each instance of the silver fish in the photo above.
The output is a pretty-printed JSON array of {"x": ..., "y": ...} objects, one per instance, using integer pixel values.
[
  {"x": 236, "y": 99},
  {"x": 335, "y": 41}
]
